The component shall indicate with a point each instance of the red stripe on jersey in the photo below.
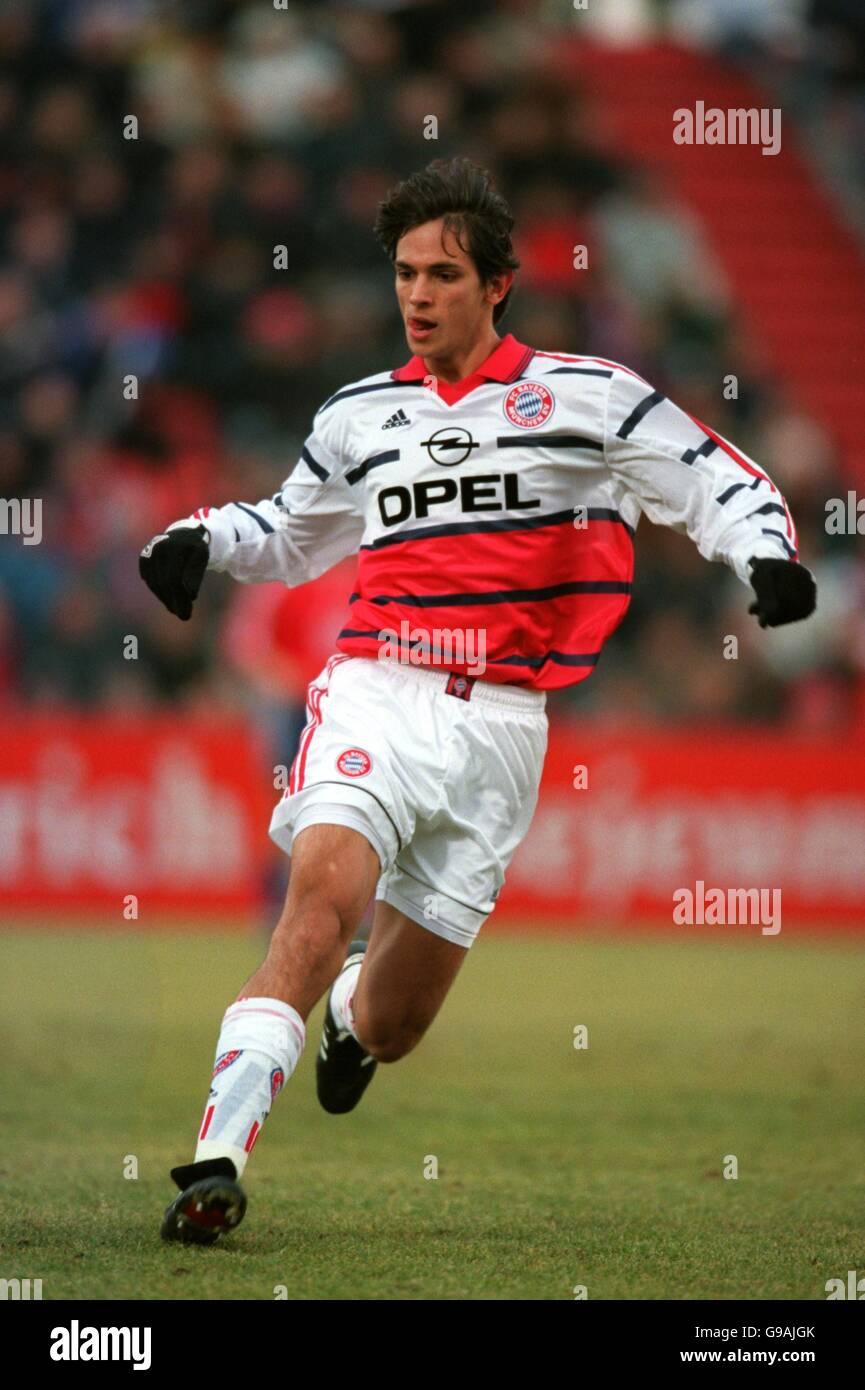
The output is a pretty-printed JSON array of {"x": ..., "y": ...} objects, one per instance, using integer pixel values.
[
  {"x": 461, "y": 639},
  {"x": 498, "y": 562},
  {"x": 485, "y": 560},
  {"x": 733, "y": 453}
]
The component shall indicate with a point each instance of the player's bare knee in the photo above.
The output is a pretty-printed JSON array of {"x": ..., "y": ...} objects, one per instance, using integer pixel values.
[
  {"x": 324, "y": 895},
  {"x": 333, "y": 865},
  {"x": 386, "y": 1050},
  {"x": 388, "y": 1044},
  {"x": 323, "y": 892}
]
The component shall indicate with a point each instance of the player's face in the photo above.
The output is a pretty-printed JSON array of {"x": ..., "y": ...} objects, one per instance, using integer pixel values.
[{"x": 444, "y": 306}]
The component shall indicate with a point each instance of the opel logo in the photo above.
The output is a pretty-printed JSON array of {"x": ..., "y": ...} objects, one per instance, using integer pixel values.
[{"x": 450, "y": 446}]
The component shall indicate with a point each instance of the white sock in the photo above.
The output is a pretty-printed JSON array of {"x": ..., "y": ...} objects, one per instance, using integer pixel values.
[
  {"x": 342, "y": 998},
  {"x": 259, "y": 1047}
]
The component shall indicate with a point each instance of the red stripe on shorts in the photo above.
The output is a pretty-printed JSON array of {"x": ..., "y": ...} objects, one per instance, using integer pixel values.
[{"x": 315, "y": 694}]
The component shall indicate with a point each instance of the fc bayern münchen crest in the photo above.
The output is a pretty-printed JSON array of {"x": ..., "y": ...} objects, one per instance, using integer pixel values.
[
  {"x": 529, "y": 404},
  {"x": 354, "y": 762}
]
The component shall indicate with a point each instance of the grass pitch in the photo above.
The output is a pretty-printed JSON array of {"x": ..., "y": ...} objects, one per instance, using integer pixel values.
[{"x": 556, "y": 1167}]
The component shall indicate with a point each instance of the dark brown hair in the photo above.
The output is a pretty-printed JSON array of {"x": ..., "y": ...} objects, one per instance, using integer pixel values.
[{"x": 463, "y": 194}]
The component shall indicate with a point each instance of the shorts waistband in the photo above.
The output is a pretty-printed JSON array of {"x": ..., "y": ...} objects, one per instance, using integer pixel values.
[{"x": 488, "y": 692}]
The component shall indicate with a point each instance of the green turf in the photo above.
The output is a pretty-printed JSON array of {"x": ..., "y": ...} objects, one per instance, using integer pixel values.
[{"x": 556, "y": 1167}]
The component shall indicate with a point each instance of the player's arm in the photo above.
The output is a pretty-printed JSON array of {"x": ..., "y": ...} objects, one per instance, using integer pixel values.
[
  {"x": 687, "y": 476},
  {"x": 304, "y": 529}
]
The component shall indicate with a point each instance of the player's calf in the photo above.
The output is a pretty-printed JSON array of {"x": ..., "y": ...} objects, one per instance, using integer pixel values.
[
  {"x": 355, "y": 1037},
  {"x": 263, "y": 1032},
  {"x": 406, "y": 978}
]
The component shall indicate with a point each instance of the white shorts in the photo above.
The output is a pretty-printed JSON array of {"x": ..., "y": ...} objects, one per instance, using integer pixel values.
[{"x": 443, "y": 787}]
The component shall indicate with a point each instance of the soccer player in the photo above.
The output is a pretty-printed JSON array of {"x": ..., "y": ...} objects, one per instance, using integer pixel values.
[{"x": 491, "y": 492}]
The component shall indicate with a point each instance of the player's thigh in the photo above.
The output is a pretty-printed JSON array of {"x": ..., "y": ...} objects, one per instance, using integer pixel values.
[{"x": 407, "y": 972}]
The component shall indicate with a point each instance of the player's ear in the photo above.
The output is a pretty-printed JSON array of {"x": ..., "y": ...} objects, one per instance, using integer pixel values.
[{"x": 498, "y": 285}]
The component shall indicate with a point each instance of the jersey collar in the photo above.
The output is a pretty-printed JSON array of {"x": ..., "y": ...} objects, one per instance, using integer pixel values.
[{"x": 505, "y": 363}]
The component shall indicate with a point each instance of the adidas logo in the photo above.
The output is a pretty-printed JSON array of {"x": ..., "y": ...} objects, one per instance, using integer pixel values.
[{"x": 400, "y": 418}]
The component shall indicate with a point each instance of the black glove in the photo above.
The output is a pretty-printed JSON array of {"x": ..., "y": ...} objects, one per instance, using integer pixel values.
[
  {"x": 785, "y": 591},
  {"x": 173, "y": 566}
]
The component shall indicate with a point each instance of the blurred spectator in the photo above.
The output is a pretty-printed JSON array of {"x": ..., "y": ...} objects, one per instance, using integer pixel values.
[{"x": 153, "y": 357}]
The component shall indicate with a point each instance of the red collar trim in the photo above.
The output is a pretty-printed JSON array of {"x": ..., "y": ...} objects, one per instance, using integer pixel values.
[{"x": 505, "y": 363}]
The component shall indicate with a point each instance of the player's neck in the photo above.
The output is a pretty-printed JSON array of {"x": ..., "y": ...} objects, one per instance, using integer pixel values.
[{"x": 458, "y": 365}]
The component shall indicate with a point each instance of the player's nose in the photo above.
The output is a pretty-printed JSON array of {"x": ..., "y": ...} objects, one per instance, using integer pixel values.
[{"x": 420, "y": 294}]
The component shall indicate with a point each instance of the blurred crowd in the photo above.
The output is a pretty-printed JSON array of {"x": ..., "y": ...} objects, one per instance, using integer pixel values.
[{"x": 153, "y": 359}]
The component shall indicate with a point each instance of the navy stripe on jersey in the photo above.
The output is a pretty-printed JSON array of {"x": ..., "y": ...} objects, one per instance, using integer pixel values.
[
  {"x": 560, "y": 658},
  {"x": 389, "y": 385},
  {"x": 707, "y": 447},
  {"x": 552, "y": 591},
  {"x": 768, "y": 507},
  {"x": 768, "y": 531},
  {"x": 265, "y": 525},
  {"x": 639, "y": 413},
  {"x": 375, "y": 461},
  {"x": 737, "y": 487},
  {"x": 548, "y": 441},
  {"x": 579, "y": 371},
  {"x": 320, "y": 473},
  {"x": 468, "y": 528}
]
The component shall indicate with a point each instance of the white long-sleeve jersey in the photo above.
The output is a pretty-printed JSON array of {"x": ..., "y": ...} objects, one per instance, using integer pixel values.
[{"x": 505, "y": 504}]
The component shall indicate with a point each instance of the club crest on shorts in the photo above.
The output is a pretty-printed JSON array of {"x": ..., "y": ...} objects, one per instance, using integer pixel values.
[
  {"x": 354, "y": 763},
  {"x": 277, "y": 1081},
  {"x": 529, "y": 404}
]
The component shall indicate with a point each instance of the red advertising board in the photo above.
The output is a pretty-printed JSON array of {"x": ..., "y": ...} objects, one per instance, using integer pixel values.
[
  {"x": 92, "y": 811},
  {"x": 177, "y": 815},
  {"x": 656, "y": 812}
]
